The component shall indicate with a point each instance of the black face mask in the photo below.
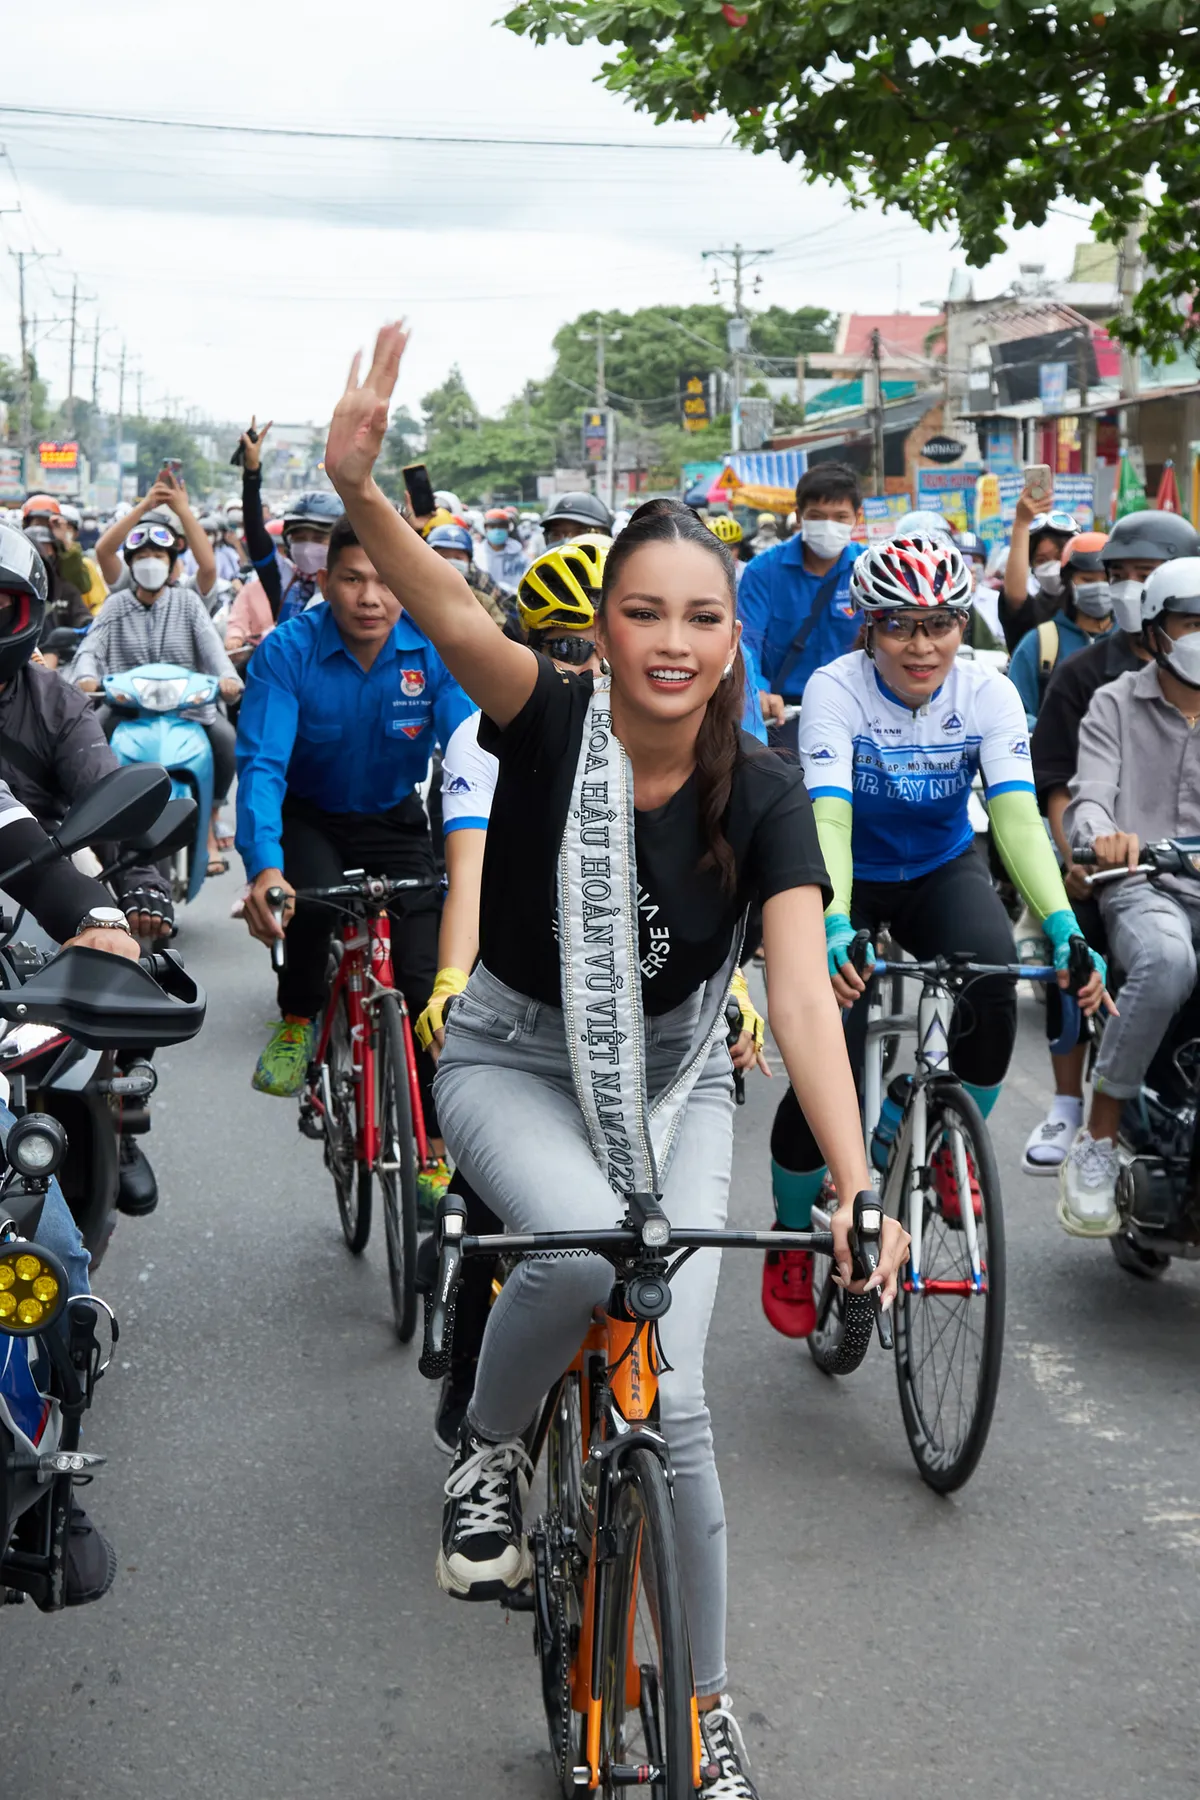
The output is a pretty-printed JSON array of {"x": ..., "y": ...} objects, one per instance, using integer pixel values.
[{"x": 574, "y": 650}]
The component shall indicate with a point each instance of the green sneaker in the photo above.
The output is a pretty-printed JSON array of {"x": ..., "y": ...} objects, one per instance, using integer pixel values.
[
  {"x": 431, "y": 1186},
  {"x": 286, "y": 1055}
]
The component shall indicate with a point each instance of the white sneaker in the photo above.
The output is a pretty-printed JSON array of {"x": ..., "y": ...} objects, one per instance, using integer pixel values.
[
  {"x": 1048, "y": 1143},
  {"x": 1087, "y": 1200},
  {"x": 724, "y": 1765}
]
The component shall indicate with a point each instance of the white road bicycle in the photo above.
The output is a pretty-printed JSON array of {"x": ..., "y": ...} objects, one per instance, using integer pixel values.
[{"x": 941, "y": 1181}]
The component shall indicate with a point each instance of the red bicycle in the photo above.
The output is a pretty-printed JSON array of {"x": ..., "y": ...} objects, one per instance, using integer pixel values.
[{"x": 361, "y": 1096}]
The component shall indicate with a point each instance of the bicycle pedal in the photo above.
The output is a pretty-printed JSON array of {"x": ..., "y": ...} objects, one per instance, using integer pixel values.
[
  {"x": 520, "y": 1599},
  {"x": 309, "y": 1124}
]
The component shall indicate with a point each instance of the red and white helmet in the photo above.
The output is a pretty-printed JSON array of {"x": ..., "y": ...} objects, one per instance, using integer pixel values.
[{"x": 907, "y": 572}]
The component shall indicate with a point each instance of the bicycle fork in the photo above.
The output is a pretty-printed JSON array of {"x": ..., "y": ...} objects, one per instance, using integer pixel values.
[{"x": 912, "y": 1151}]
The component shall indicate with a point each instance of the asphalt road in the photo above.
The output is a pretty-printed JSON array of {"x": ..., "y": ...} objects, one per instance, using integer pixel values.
[{"x": 273, "y": 1490}]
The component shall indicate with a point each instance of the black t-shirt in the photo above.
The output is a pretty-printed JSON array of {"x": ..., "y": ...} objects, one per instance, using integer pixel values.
[
  {"x": 1015, "y": 621},
  {"x": 686, "y": 920},
  {"x": 1054, "y": 745}
]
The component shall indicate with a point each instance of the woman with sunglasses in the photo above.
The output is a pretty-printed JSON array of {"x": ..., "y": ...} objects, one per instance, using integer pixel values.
[{"x": 891, "y": 737}]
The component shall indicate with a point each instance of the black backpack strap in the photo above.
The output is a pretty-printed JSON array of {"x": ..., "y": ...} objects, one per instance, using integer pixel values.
[{"x": 799, "y": 643}]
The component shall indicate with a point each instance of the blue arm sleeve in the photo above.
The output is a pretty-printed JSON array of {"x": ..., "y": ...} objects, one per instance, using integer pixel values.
[{"x": 266, "y": 735}]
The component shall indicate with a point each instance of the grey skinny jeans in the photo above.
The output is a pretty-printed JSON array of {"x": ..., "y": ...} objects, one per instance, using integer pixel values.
[
  {"x": 1153, "y": 937},
  {"x": 507, "y": 1107}
]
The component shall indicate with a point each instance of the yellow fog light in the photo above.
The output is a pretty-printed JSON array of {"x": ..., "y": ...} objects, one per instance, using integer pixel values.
[{"x": 33, "y": 1287}]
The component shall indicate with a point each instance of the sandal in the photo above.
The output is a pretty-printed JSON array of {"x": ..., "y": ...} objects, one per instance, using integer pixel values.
[{"x": 217, "y": 865}]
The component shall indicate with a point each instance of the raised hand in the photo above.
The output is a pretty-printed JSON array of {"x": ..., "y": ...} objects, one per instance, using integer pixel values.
[
  {"x": 252, "y": 447},
  {"x": 357, "y": 429}
]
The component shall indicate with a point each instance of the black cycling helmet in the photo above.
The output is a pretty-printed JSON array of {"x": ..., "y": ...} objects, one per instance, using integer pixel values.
[
  {"x": 1150, "y": 537},
  {"x": 25, "y": 585},
  {"x": 318, "y": 510},
  {"x": 585, "y": 510}
]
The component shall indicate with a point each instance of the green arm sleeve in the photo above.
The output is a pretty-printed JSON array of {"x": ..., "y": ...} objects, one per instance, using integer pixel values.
[
  {"x": 834, "y": 821},
  {"x": 1026, "y": 852}
]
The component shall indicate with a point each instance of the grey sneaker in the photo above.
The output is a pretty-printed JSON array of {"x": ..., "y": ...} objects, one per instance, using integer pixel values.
[
  {"x": 724, "y": 1765},
  {"x": 1087, "y": 1200}
]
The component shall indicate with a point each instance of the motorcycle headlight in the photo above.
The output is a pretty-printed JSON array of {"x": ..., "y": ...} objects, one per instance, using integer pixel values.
[
  {"x": 36, "y": 1145},
  {"x": 160, "y": 696},
  {"x": 33, "y": 1288}
]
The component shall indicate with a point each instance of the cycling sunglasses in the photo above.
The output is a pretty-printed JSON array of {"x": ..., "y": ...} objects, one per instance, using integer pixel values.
[
  {"x": 160, "y": 535},
  {"x": 574, "y": 650},
  {"x": 905, "y": 625}
]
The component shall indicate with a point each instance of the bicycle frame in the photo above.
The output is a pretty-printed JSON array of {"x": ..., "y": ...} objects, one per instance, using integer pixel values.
[{"x": 364, "y": 972}]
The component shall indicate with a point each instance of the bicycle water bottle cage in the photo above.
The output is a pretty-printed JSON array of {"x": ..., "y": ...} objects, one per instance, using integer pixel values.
[{"x": 647, "y": 1218}]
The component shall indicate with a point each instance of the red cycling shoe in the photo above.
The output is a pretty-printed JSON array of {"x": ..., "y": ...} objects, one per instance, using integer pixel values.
[
  {"x": 787, "y": 1291},
  {"x": 945, "y": 1185}
]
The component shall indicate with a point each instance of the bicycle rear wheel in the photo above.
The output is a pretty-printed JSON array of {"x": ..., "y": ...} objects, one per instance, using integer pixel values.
[
  {"x": 950, "y": 1337},
  {"x": 397, "y": 1166},
  {"x": 351, "y": 1180},
  {"x": 646, "y": 1680}
]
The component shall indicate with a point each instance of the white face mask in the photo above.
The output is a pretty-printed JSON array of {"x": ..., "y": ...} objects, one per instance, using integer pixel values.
[
  {"x": 1093, "y": 599},
  {"x": 1126, "y": 597},
  {"x": 825, "y": 537},
  {"x": 1184, "y": 658},
  {"x": 1048, "y": 576},
  {"x": 150, "y": 573},
  {"x": 308, "y": 558},
  {"x": 458, "y": 562}
]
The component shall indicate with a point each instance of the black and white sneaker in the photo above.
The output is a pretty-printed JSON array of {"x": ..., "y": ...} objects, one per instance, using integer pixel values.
[
  {"x": 484, "y": 1554},
  {"x": 726, "y": 1776},
  {"x": 454, "y": 1397}
]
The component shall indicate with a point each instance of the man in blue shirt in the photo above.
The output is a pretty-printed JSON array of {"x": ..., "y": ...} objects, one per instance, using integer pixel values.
[
  {"x": 795, "y": 601},
  {"x": 343, "y": 706}
]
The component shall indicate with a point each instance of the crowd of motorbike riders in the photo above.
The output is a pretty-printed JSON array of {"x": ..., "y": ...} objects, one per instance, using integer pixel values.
[{"x": 1099, "y": 631}]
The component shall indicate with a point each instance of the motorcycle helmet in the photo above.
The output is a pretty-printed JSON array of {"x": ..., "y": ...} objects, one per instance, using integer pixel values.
[
  {"x": 1150, "y": 537},
  {"x": 72, "y": 515},
  {"x": 451, "y": 537},
  {"x": 445, "y": 501},
  {"x": 924, "y": 524},
  {"x": 726, "y": 528},
  {"x": 972, "y": 546},
  {"x": 904, "y": 573},
  {"x": 24, "y": 593},
  {"x": 587, "y": 511},
  {"x": 1083, "y": 554},
  {"x": 40, "y": 506},
  {"x": 562, "y": 586},
  {"x": 1174, "y": 587},
  {"x": 317, "y": 510}
]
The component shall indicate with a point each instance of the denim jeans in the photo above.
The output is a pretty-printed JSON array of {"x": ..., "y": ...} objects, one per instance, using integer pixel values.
[
  {"x": 57, "y": 1230},
  {"x": 507, "y": 1106}
]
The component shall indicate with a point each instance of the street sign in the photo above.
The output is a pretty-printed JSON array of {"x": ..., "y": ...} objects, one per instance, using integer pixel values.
[
  {"x": 58, "y": 456},
  {"x": 12, "y": 475},
  {"x": 942, "y": 449},
  {"x": 595, "y": 435},
  {"x": 1052, "y": 383},
  {"x": 693, "y": 399}
]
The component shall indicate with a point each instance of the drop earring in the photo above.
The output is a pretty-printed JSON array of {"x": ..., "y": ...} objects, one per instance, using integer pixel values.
[
  {"x": 727, "y": 671},
  {"x": 604, "y": 668}
]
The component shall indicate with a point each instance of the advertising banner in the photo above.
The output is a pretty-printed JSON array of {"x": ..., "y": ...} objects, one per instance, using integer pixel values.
[
  {"x": 880, "y": 511},
  {"x": 950, "y": 492}
]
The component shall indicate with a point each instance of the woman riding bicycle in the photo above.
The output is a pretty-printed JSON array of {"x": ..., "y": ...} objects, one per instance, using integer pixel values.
[
  {"x": 891, "y": 737},
  {"x": 631, "y": 827}
]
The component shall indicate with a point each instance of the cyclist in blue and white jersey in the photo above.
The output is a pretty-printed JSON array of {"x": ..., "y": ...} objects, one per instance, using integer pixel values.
[{"x": 891, "y": 737}]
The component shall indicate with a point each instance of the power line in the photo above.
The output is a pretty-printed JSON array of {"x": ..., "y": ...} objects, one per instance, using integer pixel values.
[{"x": 350, "y": 137}]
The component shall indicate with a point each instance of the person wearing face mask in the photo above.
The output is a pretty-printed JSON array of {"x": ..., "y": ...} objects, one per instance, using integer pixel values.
[
  {"x": 1033, "y": 582},
  {"x": 571, "y": 515},
  {"x": 501, "y": 554},
  {"x": 1137, "y": 780},
  {"x": 1084, "y": 616},
  {"x": 766, "y": 534},
  {"x": 157, "y": 619},
  {"x": 455, "y": 545},
  {"x": 1137, "y": 545},
  {"x": 65, "y": 605},
  {"x": 287, "y": 580},
  {"x": 794, "y": 600}
]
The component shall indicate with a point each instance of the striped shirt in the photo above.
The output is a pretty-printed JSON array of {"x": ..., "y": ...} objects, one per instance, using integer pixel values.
[{"x": 175, "y": 629}]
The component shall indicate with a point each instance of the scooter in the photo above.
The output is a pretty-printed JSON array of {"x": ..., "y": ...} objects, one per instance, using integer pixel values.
[
  {"x": 1158, "y": 1187},
  {"x": 153, "y": 698},
  {"x": 53, "y": 1345}
]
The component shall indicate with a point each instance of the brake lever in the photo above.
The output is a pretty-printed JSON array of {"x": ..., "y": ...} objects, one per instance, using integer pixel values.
[
  {"x": 866, "y": 1236},
  {"x": 733, "y": 1018}
]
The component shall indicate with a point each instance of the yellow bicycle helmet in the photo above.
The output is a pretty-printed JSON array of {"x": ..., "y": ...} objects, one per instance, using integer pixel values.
[
  {"x": 726, "y": 528},
  {"x": 562, "y": 586}
]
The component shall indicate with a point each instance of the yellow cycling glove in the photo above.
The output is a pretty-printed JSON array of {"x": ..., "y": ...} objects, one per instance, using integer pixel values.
[
  {"x": 448, "y": 983},
  {"x": 752, "y": 1021}
]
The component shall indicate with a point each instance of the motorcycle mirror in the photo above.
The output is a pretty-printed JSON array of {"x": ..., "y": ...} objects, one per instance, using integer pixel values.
[
  {"x": 61, "y": 638},
  {"x": 125, "y": 803},
  {"x": 171, "y": 830}
]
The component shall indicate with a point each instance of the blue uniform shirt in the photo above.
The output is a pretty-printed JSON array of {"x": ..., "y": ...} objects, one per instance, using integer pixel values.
[
  {"x": 775, "y": 597},
  {"x": 315, "y": 723}
]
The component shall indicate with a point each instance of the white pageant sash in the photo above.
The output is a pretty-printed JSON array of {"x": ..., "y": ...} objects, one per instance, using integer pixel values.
[{"x": 601, "y": 971}]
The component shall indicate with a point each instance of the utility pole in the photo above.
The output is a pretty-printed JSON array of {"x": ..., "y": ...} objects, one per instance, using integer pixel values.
[
  {"x": 96, "y": 366},
  {"x": 70, "y": 408},
  {"x": 1086, "y": 426},
  {"x": 1131, "y": 370},
  {"x": 739, "y": 260},
  {"x": 26, "y": 393},
  {"x": 120, "y": 418},
  {"x": 877, "y": 457},
  {"x": 601, "y": 338}
]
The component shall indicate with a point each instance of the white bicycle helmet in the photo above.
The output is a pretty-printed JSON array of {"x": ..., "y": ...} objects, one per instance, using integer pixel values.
[{"x": 903, "y": 573}]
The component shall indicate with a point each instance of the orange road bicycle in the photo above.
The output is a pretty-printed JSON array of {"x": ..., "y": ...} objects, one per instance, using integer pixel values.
[
  {"x": 361, "y": 1097},
  {"x": 609, "y": 1626}
]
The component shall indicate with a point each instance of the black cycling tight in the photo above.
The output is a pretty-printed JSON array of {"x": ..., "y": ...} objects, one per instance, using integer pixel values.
[{"x": 953, "y": 908}]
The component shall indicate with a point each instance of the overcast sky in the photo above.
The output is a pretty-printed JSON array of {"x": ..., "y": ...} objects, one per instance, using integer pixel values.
[{"x": 242, "y": 271}]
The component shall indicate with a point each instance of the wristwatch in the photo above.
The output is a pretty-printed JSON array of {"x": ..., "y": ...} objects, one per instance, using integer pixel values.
[{"x": 104, "y": 918}]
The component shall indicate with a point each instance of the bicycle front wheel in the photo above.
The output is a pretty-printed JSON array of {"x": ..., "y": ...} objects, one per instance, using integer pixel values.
[
  {"x": 558, "y": 1581},
  {"x": 646, "y": 1680},
  {"x": 397, "y": 1166},
  {"x": 949, "y": 1333},
  {"x": 351, "y": 1180}
]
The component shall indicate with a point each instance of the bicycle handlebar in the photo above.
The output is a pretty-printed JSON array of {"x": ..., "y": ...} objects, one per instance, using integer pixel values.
[
  {"x": 862, "y": 1311},
  {"x": 940, "y": 968}
]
